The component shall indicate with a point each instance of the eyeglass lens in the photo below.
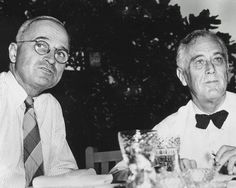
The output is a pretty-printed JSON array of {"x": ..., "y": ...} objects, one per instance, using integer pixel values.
[{"x": 42, "y": 48}]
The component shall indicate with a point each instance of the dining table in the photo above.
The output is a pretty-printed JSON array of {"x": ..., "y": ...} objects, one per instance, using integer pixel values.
[
  {"x": 113, "y": 185},
  {"x": 84, "y": 179},
  {"x": 230, "y": 184},
  {"x": 220, "y": 184}
]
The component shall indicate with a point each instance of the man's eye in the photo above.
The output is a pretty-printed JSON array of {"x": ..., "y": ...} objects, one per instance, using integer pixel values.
[
  {"x": 41, "y": 45},
  {"x": 218, "y": 60},
  {"x": 199, "y": 63},
  {"x": 61, "y": 54}
]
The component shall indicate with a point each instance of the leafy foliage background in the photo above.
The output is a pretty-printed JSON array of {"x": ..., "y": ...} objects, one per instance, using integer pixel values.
[{"x": 122, "y": 63}]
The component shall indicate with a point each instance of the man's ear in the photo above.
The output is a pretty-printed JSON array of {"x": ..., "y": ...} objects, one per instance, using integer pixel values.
[
  {"x": 180, "y": 74},
  {"x": 12, "y": 49}
]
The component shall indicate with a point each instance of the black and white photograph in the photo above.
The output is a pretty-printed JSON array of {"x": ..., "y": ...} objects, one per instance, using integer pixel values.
[{"x": 118, "y": 94}]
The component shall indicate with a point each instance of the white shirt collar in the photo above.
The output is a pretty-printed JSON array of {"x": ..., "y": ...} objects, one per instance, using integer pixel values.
[{"x": 17, "y": 93}]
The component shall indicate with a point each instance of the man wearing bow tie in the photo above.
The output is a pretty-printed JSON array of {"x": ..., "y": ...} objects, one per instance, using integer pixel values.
[{"x": 206, "y": 125}]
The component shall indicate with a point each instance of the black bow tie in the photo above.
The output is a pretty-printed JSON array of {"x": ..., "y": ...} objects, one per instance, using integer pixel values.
[{"x": 217, "y": 118}]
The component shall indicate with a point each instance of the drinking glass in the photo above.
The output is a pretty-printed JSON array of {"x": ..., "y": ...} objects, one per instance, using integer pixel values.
[{"x": 151, "y": 148}]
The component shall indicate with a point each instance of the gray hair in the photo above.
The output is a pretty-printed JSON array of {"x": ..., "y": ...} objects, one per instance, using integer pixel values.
[
  {"x": 190, "y": 39},
  {"x": 25, "y": 26}
]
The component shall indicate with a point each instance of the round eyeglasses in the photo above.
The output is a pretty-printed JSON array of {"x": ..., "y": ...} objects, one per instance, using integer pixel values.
[{"x": 41, "y": 47}]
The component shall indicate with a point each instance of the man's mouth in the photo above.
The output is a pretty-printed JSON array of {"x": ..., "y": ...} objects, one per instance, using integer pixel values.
[
  {"x": 211, "y": 81},
  {"x": 47, "y": 70}
]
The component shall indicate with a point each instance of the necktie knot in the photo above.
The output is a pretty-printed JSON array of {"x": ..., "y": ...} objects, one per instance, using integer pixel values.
[
  {"x": 217, "y": 118},
  {"x": 29, "y": 103}
]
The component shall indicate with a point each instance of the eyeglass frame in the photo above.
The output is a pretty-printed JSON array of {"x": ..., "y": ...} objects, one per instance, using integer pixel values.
[{"x": 49, "y": 49}]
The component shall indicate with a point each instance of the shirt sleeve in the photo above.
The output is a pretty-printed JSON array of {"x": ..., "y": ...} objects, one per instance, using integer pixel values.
[{"x": 61, "y": 157}]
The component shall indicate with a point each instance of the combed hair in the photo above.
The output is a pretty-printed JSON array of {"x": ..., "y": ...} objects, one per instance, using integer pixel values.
[
  {"x": 190, "y": 39},
  {"x": 25, "y": 26}
]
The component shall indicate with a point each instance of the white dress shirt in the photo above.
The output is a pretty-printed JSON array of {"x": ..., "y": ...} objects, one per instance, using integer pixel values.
[
  {"x": 57, "y": 155},
  {"x": 198, "y": 144}
]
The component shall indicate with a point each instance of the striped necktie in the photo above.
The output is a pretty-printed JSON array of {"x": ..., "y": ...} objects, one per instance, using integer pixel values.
[{"x": 33, "y": 157}]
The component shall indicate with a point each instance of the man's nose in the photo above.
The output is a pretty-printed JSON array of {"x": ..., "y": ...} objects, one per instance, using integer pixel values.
[
  {"x": 50, "y": 57},
  {"x": 210, "y": 67}
]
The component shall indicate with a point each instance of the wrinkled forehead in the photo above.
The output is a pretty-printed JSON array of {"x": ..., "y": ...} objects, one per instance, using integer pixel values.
[
  {"x": 201, "y": 46},
  {"x": 202, "y": 41},
  {"x": 52, "y": 31},
  {"x": 205, "y": 46}
]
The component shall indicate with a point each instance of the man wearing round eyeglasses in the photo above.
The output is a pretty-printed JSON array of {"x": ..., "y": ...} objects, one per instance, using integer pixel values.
[
  {"x": 39, "y": 55},
  {"x": 38, "y": 59}
]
